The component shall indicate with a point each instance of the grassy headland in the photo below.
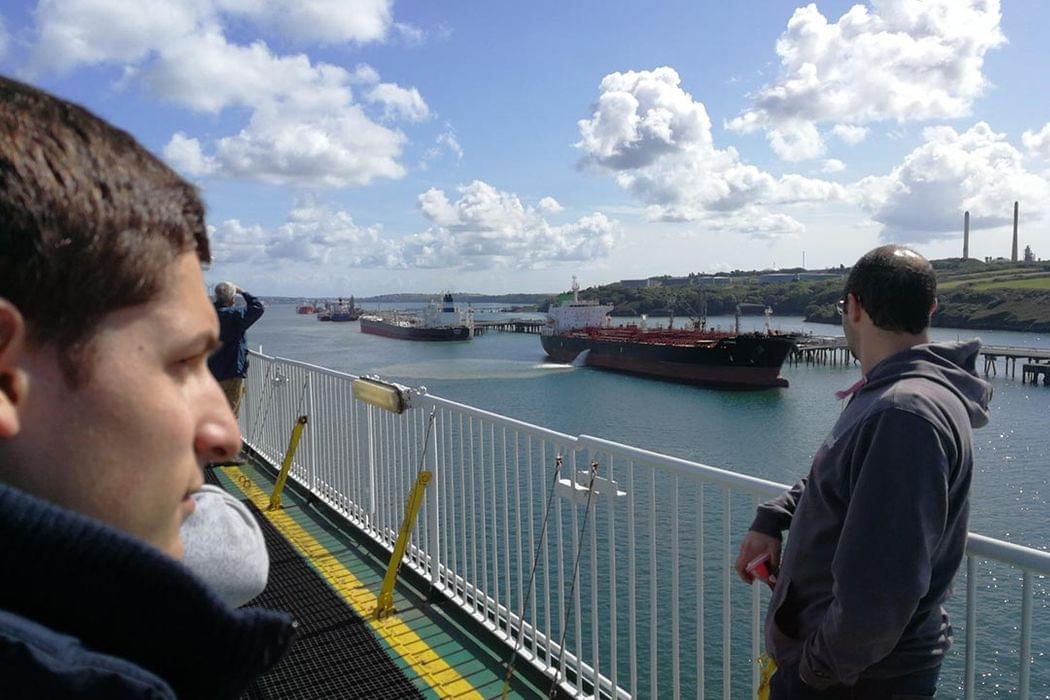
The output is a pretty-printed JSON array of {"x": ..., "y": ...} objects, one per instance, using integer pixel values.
[{"x": 971, "y": 294}]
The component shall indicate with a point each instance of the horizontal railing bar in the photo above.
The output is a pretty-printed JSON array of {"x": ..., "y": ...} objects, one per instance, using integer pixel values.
[
  {"x": 684, "y": 467},
  {"x": 539, "y": 431},
  {"x": 1026, "y": 558},
  {"x": 306, "y": 365}
]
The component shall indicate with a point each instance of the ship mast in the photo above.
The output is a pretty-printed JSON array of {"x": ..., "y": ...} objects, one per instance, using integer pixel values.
[{"x": 575, "y": 290}]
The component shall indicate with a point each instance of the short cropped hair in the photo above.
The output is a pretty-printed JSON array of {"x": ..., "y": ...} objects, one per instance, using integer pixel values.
[
  {"x": 896, "y": 286},
  {"x": 90, "y": 222},
  {"x": 224, "y": 293}
]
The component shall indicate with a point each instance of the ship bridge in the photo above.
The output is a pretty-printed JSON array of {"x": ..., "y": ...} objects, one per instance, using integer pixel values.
[{"x": 539, "y": 563}]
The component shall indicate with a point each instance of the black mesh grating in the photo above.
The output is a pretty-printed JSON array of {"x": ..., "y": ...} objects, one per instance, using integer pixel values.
[{"x": 335, "y": 654}]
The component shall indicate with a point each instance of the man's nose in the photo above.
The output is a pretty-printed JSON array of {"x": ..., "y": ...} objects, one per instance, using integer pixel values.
[{"x": 218, "y": 437}]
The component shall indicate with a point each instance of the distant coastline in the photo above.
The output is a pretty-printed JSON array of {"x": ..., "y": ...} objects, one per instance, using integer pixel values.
[{"x": 998, "y": 295}]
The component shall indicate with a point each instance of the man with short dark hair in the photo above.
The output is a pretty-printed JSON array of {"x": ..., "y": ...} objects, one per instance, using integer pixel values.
[
  {"x": 229, "y": 364},
  {"x": 107, "y": 414},
  {"x": 879, "y": 526}
]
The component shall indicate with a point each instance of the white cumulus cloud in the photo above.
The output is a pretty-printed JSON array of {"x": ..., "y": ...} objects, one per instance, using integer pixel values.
[
  {"x": 482, "y": 228},
  {"x": 185, "y": 154},
  {"x": 656, "y": 141},
  {"x": 305, "y": 126},
  {"x": 833, "y": 165},
  {"x": 321, "y": 21},
  {"x": 399, "y": 102},
  {"x": 1038, "y": 142},
  {"x": 550, "y": 205},
  {"x": 901, "y": 60},
  {"x": 850, "y": 133},
  {"x": 485, "y": 227},
  {"x": 977, "y": 171}
]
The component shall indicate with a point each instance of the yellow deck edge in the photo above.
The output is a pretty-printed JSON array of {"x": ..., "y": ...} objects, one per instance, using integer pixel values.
[{"x": 424, "y": 661}]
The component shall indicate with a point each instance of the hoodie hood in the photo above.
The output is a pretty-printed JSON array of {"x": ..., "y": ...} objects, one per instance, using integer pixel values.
[{"x": 952, "y": 365}]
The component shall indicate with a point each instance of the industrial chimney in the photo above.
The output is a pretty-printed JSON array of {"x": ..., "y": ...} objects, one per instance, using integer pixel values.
[
  {"x": 1013, "y": 255},
  {"x": 966, "y": 236}
]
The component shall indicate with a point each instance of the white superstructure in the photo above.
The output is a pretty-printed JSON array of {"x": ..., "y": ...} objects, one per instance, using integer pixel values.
[
  {"x": 447, "y": 315},
  {"x": 570, "y": 315}
]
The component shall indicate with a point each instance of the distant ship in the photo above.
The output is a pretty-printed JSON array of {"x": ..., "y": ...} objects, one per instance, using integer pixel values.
[
  {"x": 438, "y": 323},
  {"x": 578, "y": 328},
  {"x": 344, "y": 312},
  {"x": 305, "y": 309}
]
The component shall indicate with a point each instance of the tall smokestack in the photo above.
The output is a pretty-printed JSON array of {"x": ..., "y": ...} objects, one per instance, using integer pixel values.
[
  {"x": 966, "y": 236},
  {"x": 1013, "y": 255}
]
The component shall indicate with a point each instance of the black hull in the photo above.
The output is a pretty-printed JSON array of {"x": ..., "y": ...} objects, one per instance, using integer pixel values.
[
  {"x": 741, "y": 362},
  {"x": 389, "y": 330}
]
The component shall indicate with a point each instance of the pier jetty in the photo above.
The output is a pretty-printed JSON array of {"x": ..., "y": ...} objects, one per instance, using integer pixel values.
[
  {"x": 833, "y": 351},
  {"x": 821, "y": 350},
  {"x": 508, "y": 326}
]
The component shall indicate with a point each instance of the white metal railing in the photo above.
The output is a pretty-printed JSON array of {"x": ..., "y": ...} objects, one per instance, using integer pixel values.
[{"x": 654, "y": 612}]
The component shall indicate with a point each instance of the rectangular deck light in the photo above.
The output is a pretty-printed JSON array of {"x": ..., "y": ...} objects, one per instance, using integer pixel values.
[{"x": 385, "y": 395}]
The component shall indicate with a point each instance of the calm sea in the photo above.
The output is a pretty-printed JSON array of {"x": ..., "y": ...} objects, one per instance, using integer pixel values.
[{"x": 771, "y": 434}]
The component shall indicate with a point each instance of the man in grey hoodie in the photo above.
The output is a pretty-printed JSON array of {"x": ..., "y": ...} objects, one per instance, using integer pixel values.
[{"x": 879, "y": 526}]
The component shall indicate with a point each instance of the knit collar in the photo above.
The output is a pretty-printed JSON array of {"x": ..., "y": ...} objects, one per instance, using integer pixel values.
[{"x": 120, "y": 596}]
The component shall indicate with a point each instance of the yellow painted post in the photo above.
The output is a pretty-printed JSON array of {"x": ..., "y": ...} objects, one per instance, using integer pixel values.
[
  {"x": 767, "y": 667},
  {"x": 286, "y": 465},
  {"x": 385, "y": 601}
]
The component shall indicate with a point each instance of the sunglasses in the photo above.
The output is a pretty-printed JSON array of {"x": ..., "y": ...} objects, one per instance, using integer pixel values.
[{"x": 841, "y": 303}]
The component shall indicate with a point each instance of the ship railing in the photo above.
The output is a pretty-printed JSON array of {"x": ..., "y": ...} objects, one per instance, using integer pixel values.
[{"x": 653, "y": 609}]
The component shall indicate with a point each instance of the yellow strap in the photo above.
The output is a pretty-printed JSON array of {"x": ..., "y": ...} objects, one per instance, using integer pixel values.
[
  {"x": 385, "y": 602},
  {"x": 286, "y": 465}
]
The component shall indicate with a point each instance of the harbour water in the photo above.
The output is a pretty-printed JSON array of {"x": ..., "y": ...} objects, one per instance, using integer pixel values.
[{"x": 772, "y": 434}]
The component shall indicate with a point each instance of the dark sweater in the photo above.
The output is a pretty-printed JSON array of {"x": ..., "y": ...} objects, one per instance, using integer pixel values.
[
  {"x": 87, "y": 611},
  {"x": 231, "y": 360},
  {"x": 878, "y": 528}
]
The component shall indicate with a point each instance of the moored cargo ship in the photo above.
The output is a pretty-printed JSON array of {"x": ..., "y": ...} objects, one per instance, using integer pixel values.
[
  {"x": 578, "y": 329},
  {"x": 438, "y": 323}
]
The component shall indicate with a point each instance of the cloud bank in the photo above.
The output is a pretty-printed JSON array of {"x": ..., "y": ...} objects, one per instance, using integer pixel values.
[
  {"x": 656, "y": 141},
  {"x": 924, "y": 198},
  {"x": 482, "y": 228},
  {"x": 901, "y": 60},
  {"x": 306, "y": 124}
]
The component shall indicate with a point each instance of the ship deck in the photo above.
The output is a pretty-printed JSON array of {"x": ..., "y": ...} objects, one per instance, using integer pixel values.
[{"x": 327, "y": 577}]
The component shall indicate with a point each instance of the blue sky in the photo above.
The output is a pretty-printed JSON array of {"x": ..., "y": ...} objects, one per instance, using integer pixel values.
[{"x": 370, "y": 146}]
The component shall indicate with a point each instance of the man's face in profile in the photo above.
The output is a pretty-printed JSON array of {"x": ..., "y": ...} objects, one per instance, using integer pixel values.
[{"x": 127, "y": 444}]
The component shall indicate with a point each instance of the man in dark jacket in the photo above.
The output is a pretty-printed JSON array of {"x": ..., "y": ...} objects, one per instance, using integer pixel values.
[
  {"x": 107, "y": 414},
  {"x": 878, "y": 528},
  {"x": 229, "y": 364}
]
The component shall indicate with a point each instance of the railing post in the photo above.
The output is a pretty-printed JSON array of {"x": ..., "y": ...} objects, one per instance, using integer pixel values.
[
  {"x": 433, "y": 498},
  {"x": 1026, "y": 635},
  {"x": 971, "y": 627},
  {"x": 371, "y": 447},
  {"x": 311, "y": 464}
]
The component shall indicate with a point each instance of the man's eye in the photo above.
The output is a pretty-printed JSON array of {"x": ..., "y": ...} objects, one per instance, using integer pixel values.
[{"x": 192, "y": 362}]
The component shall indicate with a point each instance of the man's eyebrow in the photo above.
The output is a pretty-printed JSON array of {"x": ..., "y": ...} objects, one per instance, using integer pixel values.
[{"x": 206, "y": 342}]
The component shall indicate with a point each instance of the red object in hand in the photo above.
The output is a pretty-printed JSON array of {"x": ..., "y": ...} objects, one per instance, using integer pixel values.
[{"x": 759, "y": 568}]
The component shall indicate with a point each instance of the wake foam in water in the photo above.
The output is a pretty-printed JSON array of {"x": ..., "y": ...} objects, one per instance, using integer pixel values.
[{"x": 470, "y": 369}]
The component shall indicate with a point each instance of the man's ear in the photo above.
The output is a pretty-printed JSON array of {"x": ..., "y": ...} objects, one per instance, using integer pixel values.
[
  {"x": 13, "y": 380},
  {"x": 933, "y": 309},
  {"x": 855, "y": 310}
]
